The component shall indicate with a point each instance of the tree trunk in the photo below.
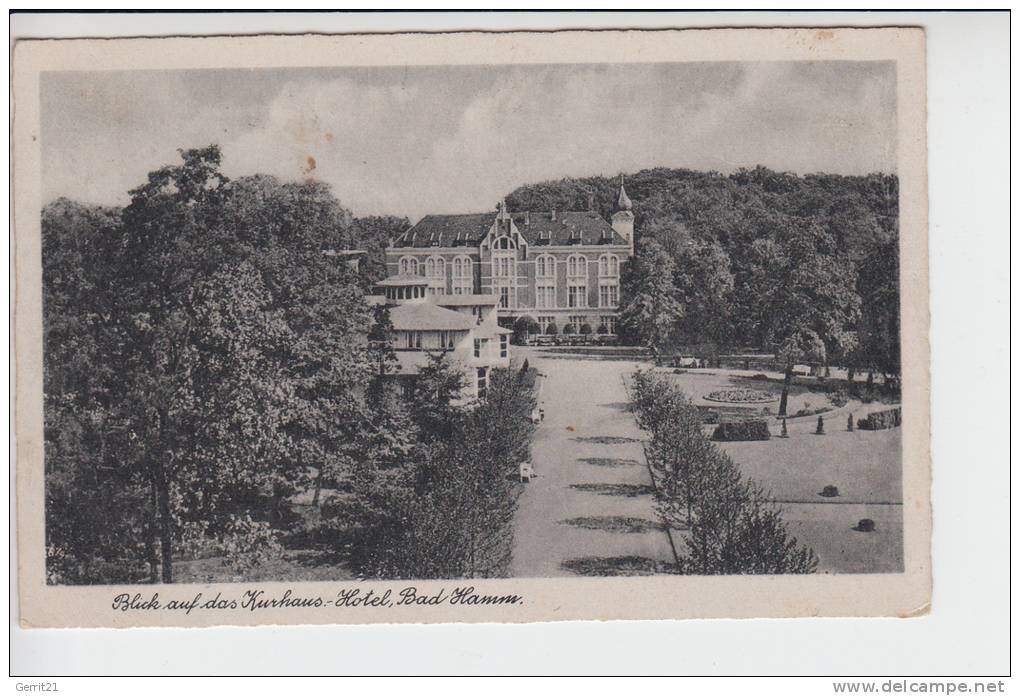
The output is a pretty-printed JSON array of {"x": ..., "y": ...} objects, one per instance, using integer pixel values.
[
  {"x": 150, "y": 539},
  {"x": 787, "y": 380},
  {"x": 318, "y": 489},
  {"x": 165, "y": 525},
  {"x": 850, "y": 374}
]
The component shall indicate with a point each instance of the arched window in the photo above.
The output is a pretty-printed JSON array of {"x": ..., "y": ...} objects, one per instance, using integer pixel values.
[
  {"x": 435, "y": 271},
  {"x": 408, "y": 265},
  {"x": 545, "y": 267},
  {"x": 545, "y": 282},
  {"x": 577, "y": 267},
  {"x": 463, "y": 276},
  {"x": 577, "y": 281},
  {"x": 609, "y": 280}
]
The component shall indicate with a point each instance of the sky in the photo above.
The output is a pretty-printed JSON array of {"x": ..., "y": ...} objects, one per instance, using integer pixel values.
[{"x": 418, "y": 140}]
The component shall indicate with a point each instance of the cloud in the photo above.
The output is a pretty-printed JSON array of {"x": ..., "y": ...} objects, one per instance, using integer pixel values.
[{"x": 454, "y": 139}]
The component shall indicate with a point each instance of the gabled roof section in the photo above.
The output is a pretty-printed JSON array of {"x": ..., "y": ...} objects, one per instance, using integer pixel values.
[
  {"x": 425, "y": 316},
  {"x": 446, "y": 231}
]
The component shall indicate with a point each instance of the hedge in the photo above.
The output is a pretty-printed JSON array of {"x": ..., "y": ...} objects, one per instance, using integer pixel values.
[
  {"x": 742, "y": 430},
  {"x": 708, "y": 417},
  {"x": 880, "y": 420}
]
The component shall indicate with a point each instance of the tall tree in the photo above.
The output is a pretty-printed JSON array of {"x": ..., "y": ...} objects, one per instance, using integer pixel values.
[
  {"x": 649, "y": 309},
  {"x": 705, "y": 284},
  {"x": 373, "y": 234},
  {"x": 235, "y": 353},
  {"x": 446, "y": 509},
  {"x": 879, "y": 328}
]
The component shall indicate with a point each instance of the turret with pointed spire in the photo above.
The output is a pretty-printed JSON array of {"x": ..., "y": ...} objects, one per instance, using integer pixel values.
[
  {"x": 623, "y": 218},
  {"x": 623, "y": 202}
]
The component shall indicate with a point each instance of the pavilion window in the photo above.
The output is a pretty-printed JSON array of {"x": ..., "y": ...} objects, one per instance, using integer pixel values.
[{"x": 481, "y": 383}]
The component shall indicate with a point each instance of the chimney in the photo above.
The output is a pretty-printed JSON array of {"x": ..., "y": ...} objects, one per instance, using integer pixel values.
[
  {"x": 553, "y": 214},
  {"x": 527, "y": 217},
  {"x": 591, "y": 201}
]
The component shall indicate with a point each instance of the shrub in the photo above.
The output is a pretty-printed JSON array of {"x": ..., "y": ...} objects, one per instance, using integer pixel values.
[
  {"x": 524, "y": 326},
  {"x": 585, "y": 330},
  {"x": 839, "y": 398},
  {"x": 741, "y": 431},
  {"x": 248, "y": 543},
  {"x": 568, "y": 329},
  {"x": 880, "y": 420},
  {"x": 709, "y": 417},
  {"x": 811, "y": 411},
  {"x": 551, "y": 330},
  {"x": 602, "y": 330}
]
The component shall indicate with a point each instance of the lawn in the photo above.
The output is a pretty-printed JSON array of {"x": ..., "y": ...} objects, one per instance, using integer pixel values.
[
  {"x": 303, "y": 565},
  {"x": 865, "y": 466}
]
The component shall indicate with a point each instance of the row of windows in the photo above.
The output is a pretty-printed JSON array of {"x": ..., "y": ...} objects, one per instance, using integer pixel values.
[
  {"x": 503, "y": 265},
  {"x": 442, "y": 340},
  {"x": 577, "y": 296},
  {"x": 577, "y": 266},
  {"x": 608, "y": 321},
  {"x": 545, "y": 295}
]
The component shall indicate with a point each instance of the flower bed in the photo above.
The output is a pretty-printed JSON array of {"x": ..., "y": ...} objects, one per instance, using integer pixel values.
[{"x": 742, "y": 396}]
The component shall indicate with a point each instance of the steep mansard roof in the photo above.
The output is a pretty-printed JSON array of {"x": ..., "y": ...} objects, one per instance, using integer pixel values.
[
  {"x": 586, "y": 228},
  {"x": 447, "y": 230}
]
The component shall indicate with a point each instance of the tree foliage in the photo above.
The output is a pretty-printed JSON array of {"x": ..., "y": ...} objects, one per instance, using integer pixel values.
[
  {"x": 373, "y": 234},
  {"x": 444, "y": 510},
  {"x": 222, "y": 363},
  {"x": 651, "y": 309},
  {"x": 757, "y": 257}
]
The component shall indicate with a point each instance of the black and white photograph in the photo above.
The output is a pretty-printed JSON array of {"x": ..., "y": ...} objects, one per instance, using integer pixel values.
[{"x": 470, "y": 322}]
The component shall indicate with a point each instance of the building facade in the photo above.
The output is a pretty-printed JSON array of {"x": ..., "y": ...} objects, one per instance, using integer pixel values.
[
  {"x": 557, "y": 267},
  {"x": 464, "y": 327}
]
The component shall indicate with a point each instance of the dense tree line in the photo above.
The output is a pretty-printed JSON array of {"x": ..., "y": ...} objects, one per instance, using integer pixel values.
[
  {"x": 205, "y": 361},
  {"x": 803, "y": 266},
  {"x": 445, "y": 508},
  {"x": 728, "y": 524}
]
